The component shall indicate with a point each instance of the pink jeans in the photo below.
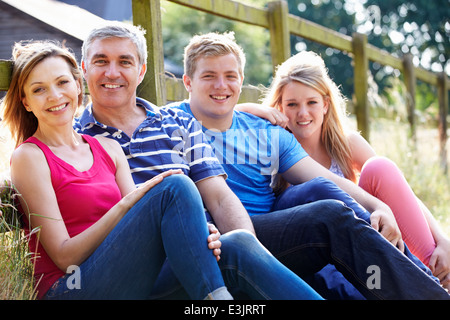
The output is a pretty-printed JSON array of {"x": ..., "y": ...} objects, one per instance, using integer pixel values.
[{"x": 383, "y": 179}]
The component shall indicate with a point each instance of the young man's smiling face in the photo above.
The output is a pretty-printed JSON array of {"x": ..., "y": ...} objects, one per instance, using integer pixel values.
[
  {"x": 112, "y": 72},
  {"x": 214, "y": 88}
]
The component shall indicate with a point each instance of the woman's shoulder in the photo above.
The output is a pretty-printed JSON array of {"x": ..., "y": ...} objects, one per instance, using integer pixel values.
[
  {"x": 111, "y": 147},
  {"x": 27, "y": 152},
  {"x": 361, "y": 149},
  {"x": 107, "y": 143}
]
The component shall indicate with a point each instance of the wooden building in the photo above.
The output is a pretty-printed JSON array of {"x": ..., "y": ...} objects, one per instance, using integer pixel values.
[{"x": 43, "y": 19}]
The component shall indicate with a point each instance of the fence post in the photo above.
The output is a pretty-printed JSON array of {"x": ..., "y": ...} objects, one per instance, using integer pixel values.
[
  {"x": 147, "y": 14},
  {"x": 280, "y": 42},
  {"x": 443, "y": 111},
  {"x": 361, "y": 69},
  {"x": 410, "y": 82}
]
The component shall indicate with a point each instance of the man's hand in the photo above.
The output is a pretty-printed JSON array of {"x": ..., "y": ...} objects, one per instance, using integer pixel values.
[
  {"x": 384, "y": 222},
  {"x": 213, "y": 240}
]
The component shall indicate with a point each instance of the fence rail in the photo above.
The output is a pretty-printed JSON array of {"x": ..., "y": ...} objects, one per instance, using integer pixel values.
[{"x": 159, "y": 88}]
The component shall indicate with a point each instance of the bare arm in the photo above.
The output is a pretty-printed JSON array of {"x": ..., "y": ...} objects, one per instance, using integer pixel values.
[
  {"x": 223, "y": 205},
  {"x": 275, "y": 116},
  {"x": 31, "y": 175}
]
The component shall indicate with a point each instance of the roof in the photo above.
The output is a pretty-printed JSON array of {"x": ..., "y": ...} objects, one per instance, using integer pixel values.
[{"x": 70, "y": 19}]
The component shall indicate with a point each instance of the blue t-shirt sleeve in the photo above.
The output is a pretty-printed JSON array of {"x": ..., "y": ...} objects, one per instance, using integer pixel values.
[{"x": 291, "y": 151}]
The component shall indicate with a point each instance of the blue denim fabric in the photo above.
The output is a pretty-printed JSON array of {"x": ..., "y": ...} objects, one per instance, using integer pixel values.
[
  {"x": 168, "y": 220},
  {"x": 322, "y": 189},
  {"x": 308, "y": 237},
  {"x": 248, "y": 269}
]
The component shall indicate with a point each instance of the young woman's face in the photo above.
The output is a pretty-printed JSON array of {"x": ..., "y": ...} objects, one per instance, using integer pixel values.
[
  {"x": 305, "y": 107},
  {"x": 51, "y": 92}
]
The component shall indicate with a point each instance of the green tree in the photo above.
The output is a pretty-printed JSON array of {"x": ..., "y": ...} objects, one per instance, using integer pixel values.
[
  {"x": 181, "y": 23},
  {"x": 420, "y": 27}
]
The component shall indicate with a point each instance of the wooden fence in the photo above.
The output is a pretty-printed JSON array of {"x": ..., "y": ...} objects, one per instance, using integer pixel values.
[
  {"x": 281, "y": 25},
  {"x": 159, "y": 88}
]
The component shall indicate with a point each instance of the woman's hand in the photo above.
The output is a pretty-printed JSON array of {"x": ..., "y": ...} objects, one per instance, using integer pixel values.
[
  {"x": 275, "y": 116},
  {"x": 440, "y": 262},
  {"x": 134, "y": 196}
]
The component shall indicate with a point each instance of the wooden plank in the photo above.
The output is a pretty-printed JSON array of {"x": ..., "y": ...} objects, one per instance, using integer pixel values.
[
  {"x": 315, "y": 32},
  {"x": 229, "y": 9},
  {"x": 383, "y": 57},
  {"x": 443, "y": 112},
  {"x": 5, "y": 74},
  {"x": 361, "y": 86},
  {"x": 280, "y": 43},
  {"x": 177, "y": 92},
  {"x": 175, "y": 89},
  {"x": 147, "y": 14},
  {"x": 410, "y": 83}
]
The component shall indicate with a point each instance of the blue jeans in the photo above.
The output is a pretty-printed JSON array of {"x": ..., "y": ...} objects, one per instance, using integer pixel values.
[
  {"x": 248, "y": 269},
  {"x": 328, "y": 282},
  {"x": 168, "y": 220},
  {"x": 308, "y": 237}
]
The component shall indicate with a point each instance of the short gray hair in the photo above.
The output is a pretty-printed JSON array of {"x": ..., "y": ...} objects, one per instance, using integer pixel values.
[{"x": 118, "y": 30}]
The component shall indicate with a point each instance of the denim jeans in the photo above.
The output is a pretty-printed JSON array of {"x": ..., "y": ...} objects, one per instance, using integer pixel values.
[
  {"x": 167, "y": 221},
  {"x": 328, "y": 282},
  {"x": 248, "y": 269},
  {"x": 308, "y": 237}
]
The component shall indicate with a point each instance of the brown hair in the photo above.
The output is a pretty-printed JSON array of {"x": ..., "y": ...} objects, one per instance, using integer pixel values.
[{"x": 26, "y": 56}]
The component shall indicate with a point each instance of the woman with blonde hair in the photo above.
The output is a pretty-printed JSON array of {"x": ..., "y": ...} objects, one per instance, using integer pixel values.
[{"x": 312, "y": 107}]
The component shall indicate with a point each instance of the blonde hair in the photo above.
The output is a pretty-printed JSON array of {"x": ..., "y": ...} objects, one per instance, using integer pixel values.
[
  {"x": 211, "y": 45},
  {"x": 309, "y": 68},
  {"x": 26, "y": 56}
]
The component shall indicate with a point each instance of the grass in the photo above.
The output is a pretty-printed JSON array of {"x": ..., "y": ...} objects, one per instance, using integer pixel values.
[
  {"x": 419, "y": 164},
  {"x": 16, "y": 269}
]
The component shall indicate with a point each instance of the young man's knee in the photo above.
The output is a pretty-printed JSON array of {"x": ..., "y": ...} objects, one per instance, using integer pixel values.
[
  {"x": 324, "y": 188},
  {"x": 328, "y": 211}
]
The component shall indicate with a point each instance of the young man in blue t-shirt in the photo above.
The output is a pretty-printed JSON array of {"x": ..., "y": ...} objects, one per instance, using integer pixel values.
[{"x": 252, "y": 151}]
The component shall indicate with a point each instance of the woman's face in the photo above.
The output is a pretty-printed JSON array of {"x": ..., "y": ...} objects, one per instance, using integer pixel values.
[
  {"x": 51, "y": 92},
  {"x": 305, "y": 107}
]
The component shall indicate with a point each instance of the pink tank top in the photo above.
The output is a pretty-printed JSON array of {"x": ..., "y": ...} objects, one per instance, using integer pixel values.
[{"x": 83, "y": 198}]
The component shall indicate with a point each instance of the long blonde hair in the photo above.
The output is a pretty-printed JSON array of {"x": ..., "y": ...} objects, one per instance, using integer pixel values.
[
  {"x": 26, "y": 56},
  {"x": 309, "y": 68}
]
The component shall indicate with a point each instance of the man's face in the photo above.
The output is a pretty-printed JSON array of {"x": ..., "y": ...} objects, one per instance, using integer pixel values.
[
  {"x": 214, "y": 87},
  {"x": 112, "y": 72}
]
